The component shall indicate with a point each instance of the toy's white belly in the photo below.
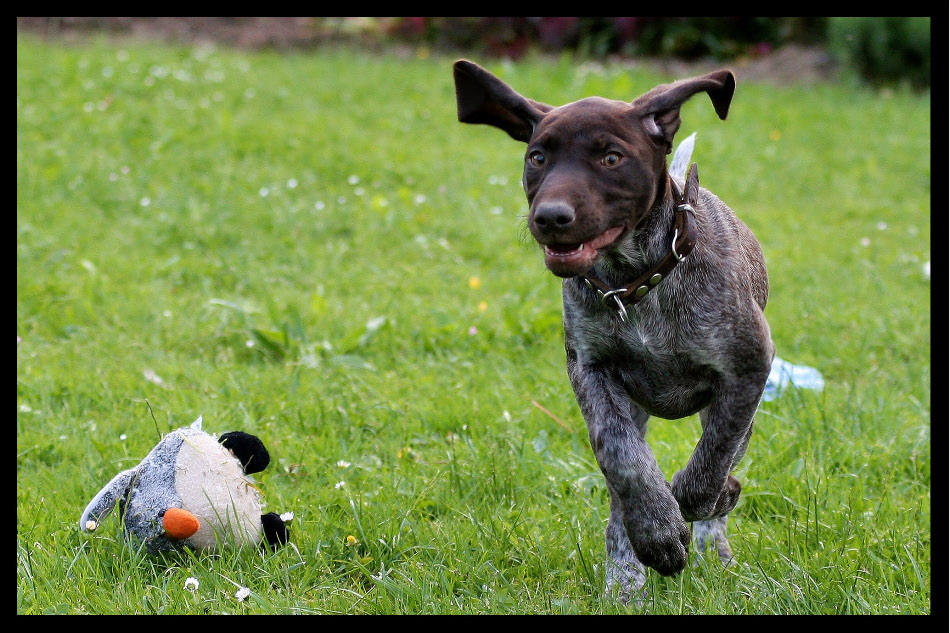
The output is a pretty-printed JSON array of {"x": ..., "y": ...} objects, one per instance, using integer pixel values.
[{"x": 212, "y": 485}]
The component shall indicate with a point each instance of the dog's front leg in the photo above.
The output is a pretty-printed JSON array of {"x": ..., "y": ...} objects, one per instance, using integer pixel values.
[
  {"x": 642, "y": 507},
  {"x": 710, "y": 534},
  {"x": 705, "y": 489}
]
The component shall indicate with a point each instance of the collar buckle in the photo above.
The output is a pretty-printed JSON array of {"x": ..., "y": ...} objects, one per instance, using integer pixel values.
[
  {"x": 607, "y": 295},
  {"x": 612, "y": 294}
]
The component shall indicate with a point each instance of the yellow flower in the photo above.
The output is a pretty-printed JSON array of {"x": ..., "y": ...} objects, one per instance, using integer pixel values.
[
  {"x": 474, "y": 282},
  {"x": 351, "y": 540},
  {"x": 775, "y": 135},
  {"x": 482, "y": 306}
]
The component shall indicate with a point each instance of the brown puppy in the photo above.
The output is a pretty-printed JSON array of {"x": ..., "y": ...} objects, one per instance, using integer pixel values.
[{"x": 664, "y": 291}]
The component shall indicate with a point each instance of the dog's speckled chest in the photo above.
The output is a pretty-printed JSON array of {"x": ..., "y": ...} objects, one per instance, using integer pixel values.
[{"x": 645, "y": 354}]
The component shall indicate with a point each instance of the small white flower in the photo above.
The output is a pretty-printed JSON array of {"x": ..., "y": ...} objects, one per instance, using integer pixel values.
[
  {"x": 242, "y": 593},
  {"x": 91, "y": 526},
  {"x": 339, "y": 484},
  {"x": 343, "y": 463},
  {"x": 191, "y": 583},
  {"x": 882, "y": 226},
  {"x": 354, "y": 179},
  {"x": 287, "y": 517},
  {"x": 152, "y": 377},
  {"x": 865, "y": 241},
  {"x": 292, "y": 183},
  {"x": 123, "y": 437}
]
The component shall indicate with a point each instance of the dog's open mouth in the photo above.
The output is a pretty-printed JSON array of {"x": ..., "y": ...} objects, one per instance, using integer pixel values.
[{"x": 569, "y": 260}]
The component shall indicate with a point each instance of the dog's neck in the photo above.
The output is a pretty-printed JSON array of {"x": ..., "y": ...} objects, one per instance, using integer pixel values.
[
  {"x": 644, "y": 245},
  {"x": 681, "y": 244}
]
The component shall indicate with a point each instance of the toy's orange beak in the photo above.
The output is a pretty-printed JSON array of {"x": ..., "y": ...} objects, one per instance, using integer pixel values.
[{"x": 180, "y": 523}]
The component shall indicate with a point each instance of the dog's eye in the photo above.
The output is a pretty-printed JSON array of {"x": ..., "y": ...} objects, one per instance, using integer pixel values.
[
  {"x": 611, "y": 159},
  {"x": 536, "y": 159}
]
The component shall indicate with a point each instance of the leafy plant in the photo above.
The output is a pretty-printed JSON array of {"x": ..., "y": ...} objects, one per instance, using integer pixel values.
[{"x": 884, "y": 50}]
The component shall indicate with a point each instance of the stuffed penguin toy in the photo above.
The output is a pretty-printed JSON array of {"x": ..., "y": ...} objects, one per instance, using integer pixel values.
[{"x": 192, "y": 490}]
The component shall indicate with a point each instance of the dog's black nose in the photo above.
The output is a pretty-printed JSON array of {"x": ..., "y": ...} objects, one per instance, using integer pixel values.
[{"x": 552, "y": 217}]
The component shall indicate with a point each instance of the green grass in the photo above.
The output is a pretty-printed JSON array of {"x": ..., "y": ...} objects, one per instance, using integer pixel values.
[{"x": 310, "y": 248}]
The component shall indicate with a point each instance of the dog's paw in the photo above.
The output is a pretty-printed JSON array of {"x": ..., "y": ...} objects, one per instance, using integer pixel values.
[
  {"x": 697, "y": 505},
  {"x": 662, "y": 545},
  {"x": 710, "y": 536},
  {"x": 626, "y": 583}
]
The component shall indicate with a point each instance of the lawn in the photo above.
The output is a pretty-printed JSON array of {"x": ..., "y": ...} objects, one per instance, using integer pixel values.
[{"x": 309, "y": 247}]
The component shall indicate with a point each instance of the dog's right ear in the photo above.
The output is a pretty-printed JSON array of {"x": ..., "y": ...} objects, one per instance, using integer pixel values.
[
  {"x": 484, "y": 98},
  {"x": 659, "y": 109}
]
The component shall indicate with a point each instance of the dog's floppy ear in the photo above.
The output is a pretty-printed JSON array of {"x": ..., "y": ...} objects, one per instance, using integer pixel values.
[
  {"x": 659, "y": 109},
  {"x": 484, "y": 98}
]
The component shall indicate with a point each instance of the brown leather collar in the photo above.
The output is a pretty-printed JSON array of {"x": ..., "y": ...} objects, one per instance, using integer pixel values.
[{"x": 684, "y": 239}]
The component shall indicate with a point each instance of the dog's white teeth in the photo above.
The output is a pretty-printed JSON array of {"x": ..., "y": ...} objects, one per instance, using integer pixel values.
[{"x": 563, "y": 253}]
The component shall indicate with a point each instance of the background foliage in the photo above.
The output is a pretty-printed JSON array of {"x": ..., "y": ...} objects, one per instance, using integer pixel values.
[
  {"x": 884, "y": 50},
  {"x": 879, "y": 50}
]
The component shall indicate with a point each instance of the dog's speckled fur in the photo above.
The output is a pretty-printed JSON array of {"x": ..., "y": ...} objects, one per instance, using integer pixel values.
[{"x": 698, "y": 342}]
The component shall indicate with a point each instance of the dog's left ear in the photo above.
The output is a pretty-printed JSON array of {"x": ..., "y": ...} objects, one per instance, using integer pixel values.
[
  {"x": 484, "y": 98},
  {"x": 659, "y": 109}
]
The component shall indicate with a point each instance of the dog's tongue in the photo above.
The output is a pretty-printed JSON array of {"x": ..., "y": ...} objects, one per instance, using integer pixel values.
[{"x": 569, "y": 260}]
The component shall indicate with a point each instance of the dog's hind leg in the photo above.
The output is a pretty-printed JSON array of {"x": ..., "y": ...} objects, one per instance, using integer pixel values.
[
  {"x": 625, "y": 574},
  {"x": 710, "y": 535}
]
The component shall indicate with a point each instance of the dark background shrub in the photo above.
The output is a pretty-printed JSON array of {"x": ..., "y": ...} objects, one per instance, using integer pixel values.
[
  {"x": 879, "y": 50},
  {"x": 683, "y": 37},
  {"x": 883, "y": 50}
]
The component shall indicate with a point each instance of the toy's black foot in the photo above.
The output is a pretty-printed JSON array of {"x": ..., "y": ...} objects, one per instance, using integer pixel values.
[{"x": 275, "y": 531}]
